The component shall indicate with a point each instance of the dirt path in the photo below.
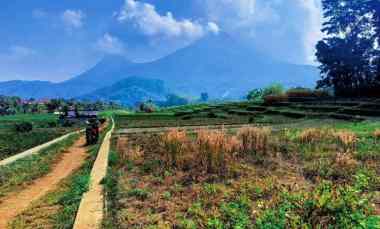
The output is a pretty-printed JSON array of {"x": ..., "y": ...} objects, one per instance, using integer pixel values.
[{"x": 15, "y": 203}]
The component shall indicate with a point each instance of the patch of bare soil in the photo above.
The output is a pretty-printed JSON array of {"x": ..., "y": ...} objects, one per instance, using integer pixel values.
[{"x": 15, "y": 203}]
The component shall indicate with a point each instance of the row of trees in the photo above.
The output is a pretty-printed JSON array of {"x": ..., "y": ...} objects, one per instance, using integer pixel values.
[
  {"x": 350, "y": 54},
  {"x": 13, "y": 105}
]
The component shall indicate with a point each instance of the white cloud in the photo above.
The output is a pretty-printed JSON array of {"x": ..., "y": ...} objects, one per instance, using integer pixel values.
[
  {"x": 151, "y": 23},
  {"x": 213, "y": 28},
  {"x": 73, "y": 19},
  {"x": 280, "y": 17},
  {"x": 110, "y": 45},
  {"x": 17, "y": 52},
  {"x": 313, "y": 31}
]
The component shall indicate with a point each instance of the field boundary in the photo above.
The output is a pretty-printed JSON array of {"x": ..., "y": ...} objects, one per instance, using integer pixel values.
[
  {"x": 91, "y": 210},
  {"x": 183, "y": 128},
  {"x": 36, "y": 149}
]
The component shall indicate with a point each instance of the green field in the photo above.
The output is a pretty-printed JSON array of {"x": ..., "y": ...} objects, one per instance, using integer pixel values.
[{"x": 45, "y": 128}]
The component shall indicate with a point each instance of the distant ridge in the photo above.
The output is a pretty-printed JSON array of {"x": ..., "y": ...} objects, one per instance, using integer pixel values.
[
  {"x": 130, "y": 91},
  {"x": 216, "y": 64}
]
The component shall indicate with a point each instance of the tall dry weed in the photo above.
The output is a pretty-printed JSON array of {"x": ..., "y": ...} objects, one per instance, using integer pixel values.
[
  {"x": 254, "y": 140},
  {"x": 214, "y": 149},
  {"x": 314, "y": 135},
  {"x": 347, "y": 140},
  {"x": 174, "y": 145},
  {"x": 122, "y": 147}
]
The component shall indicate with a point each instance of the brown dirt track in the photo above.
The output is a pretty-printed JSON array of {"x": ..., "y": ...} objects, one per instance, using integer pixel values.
[{"x": 15, "y": 203}]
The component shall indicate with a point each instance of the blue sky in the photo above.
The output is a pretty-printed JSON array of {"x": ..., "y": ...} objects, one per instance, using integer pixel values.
[{"x": 56, "y": 40}]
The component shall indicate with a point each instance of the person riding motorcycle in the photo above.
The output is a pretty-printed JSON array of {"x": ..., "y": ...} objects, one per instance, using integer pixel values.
[{"x": 92, "y": 131}]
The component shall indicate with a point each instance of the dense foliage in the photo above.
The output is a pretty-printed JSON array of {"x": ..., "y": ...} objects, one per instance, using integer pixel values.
[{"x": 349, "y": 54}]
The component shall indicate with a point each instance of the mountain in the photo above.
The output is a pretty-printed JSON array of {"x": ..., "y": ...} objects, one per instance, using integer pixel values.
[
  {"x": 216, "y": 64},
  {"x": 130, "y": 91}
]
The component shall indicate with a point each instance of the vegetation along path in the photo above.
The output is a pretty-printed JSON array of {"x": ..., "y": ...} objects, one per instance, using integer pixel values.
[
  {"x": 34, "y": 150},
  {"x": 90, "y": 213},
  {"x": 15, "y": 203}
]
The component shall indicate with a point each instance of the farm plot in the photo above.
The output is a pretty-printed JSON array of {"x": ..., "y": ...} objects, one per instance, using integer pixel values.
[
  {"x": 254, "y": 178},
  {"x": 45, "y": 128}
]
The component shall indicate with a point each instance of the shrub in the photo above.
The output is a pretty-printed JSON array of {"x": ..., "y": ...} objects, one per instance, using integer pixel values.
[
  {"x": 24, "y": 127},
  {"x": 254, "y": 140},
  {"x": 273, "y": 99},
  {"x": 67, "y": 123},
  {"x": 256, "y": 95},
  {"x": 300, "y": 92},
  {"x": 274, "y": 89},
  {"x": 52, "y": 124}
]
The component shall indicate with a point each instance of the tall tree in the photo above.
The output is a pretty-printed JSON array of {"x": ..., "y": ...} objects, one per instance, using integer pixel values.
[{"x": 348, "y": 54}]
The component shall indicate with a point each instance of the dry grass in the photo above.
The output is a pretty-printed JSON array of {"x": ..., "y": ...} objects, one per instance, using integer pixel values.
[
  {"x": 347, "y": 140},
  {"x": 376, "y": 134},
  {"x": 173, "y": 147},
  {"x": 214, "y": 150},
  {"x": 314, "y": 135},
  {"x": 346, "y": 162},
  {"x": 254, "y": 140}
]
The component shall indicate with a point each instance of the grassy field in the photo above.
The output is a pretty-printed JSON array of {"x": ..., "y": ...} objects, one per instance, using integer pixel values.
[
  {"x": 296, "y": 167},
  {"x": 45, "y": 128}
]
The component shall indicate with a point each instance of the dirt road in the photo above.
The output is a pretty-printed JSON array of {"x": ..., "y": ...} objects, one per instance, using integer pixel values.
[{"x": 15, "y": 203}]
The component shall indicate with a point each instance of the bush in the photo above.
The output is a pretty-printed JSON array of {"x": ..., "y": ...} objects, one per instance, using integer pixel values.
[
  {"x": 67, "y": 123},
  {"x": 52, "y": 124},
  {"x": 256, "y": 95},
  {"x": 300, "y": 92},
  {"x": 274, "y": 89},
  {"x": 24, "y": 127},
  {"x": 272, "y": 99}
]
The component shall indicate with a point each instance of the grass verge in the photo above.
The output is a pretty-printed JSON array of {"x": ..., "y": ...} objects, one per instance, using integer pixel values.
[{"x": 32, "y": 167}]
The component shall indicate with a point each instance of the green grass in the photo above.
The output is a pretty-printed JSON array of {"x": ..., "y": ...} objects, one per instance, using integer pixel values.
[
  {"x": 31, "y": 167},
  {"x": 28, "y": 118},
  {"x": 13, "y": 142}
]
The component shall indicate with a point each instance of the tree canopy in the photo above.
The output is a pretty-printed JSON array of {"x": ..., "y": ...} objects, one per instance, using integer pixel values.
[{"x": 349, "y": 54}]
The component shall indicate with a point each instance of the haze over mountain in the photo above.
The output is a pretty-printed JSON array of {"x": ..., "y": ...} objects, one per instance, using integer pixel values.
[{"x": 216, "y": 64}]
